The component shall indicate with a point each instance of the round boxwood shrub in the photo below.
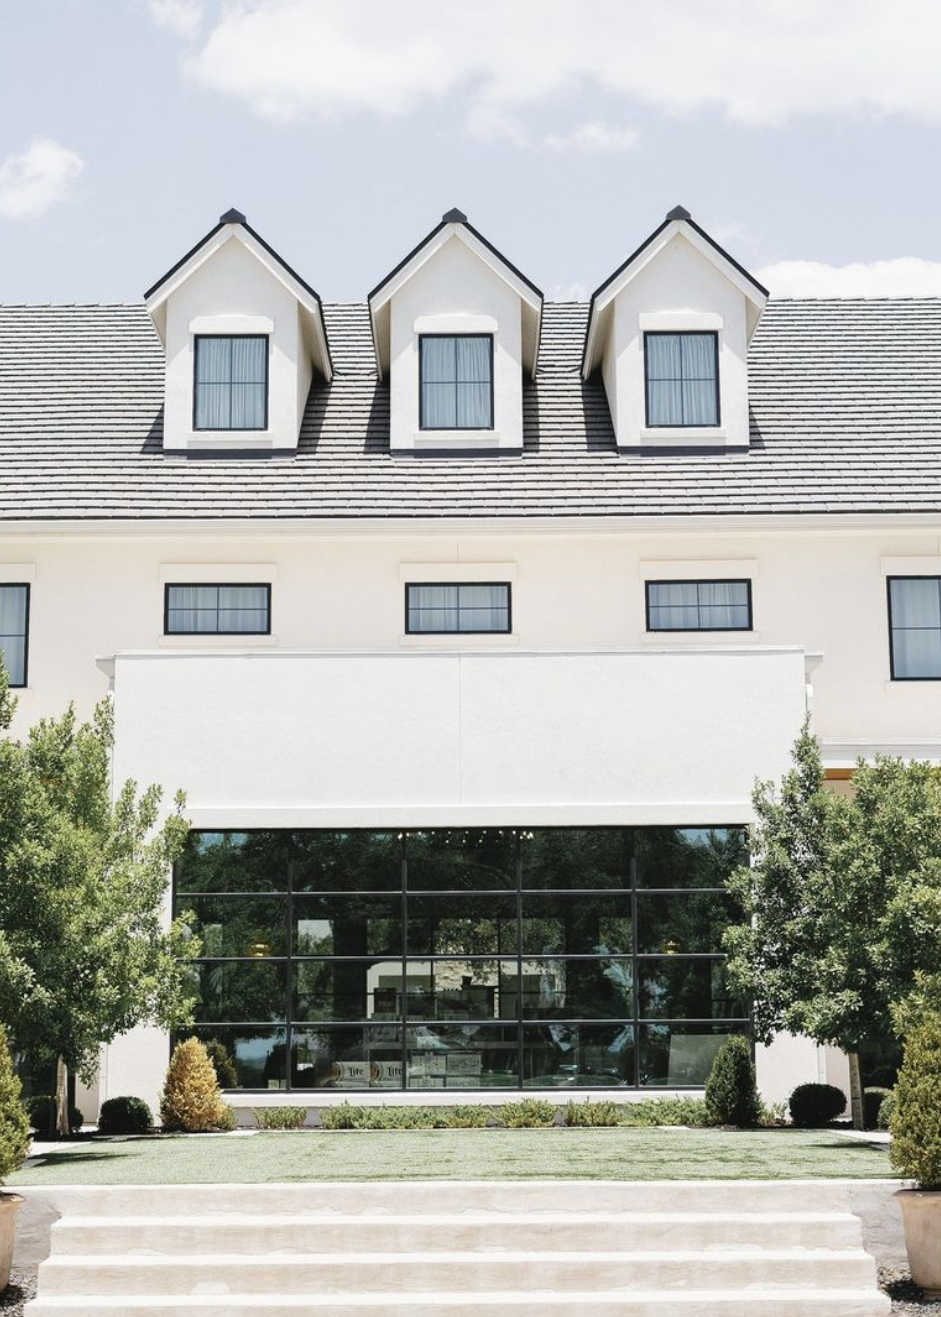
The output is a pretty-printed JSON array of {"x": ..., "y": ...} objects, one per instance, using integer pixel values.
[
  {"x": 884, "y": 1119},
  {"x": 731, "y": 1089},
  {"x": 125, "y": 1115},
  {"x": 815, "y": 1105},
  {"x": 915, "y": 1150},
  {"x": 14, "y": 1125},
  {"x": 873, "y": 1099},
  {"x": 41, "y": 1109}
]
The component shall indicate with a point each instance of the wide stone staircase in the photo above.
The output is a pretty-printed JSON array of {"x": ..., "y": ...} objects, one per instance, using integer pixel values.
[{"x": 551, "y": 1248}]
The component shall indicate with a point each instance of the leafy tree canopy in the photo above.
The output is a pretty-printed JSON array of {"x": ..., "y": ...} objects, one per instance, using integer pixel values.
[
  {"x": 85, "y": 949},
  {"x": 841, "y": 934}
]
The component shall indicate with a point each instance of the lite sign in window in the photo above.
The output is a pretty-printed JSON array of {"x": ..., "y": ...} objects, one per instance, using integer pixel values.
[
  {"x": 456, "y": 381},
  {"x": 222, "y": 610},
  {"x": 231, "y": 382},
  {"x": 443, "y": 609},
  {"x": 915, "y": 628},
  {"x": 699, "y": 606},
  {"x": 682, "y": 375},
  {"x": 14, "y": 626}
]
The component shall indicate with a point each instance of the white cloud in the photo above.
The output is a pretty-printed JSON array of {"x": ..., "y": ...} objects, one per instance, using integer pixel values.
[
  {"x": 181, "y": 17},
  {"x": 597, "y": 136},
  {"x": 39, "y": 178},
  {"x": 905, "y": 276},
  {"x": 297, "y": 59}
]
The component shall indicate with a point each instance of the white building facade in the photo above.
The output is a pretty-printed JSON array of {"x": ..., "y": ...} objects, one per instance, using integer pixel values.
[{"x": 466, "y": 623}]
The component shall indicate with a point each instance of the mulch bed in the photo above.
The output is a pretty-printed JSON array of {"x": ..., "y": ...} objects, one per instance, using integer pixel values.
[{"x": 905, "y": 1295}]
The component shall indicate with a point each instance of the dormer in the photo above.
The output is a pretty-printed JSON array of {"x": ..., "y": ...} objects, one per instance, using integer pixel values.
[
  {"x": 670, "y": 331},
  {"x": 455, "y": 326},
  {"x": 244, "y": 339}
]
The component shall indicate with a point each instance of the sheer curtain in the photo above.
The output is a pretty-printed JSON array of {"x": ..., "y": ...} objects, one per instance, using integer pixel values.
[
  {"x": 473, "y": 384},
  {"x": 455, "y": 382},
  {"x": 439, "y": 403},
  {"x": 248, "y": 383},
  {"x": 700, "y": 401},
  {"x": 13, "y": 631},
  {"x": 723, "y": 605},
  {"x": 213, "y": 372},
  {"x": 664, "y": 376},
  {"x": 682, "y": 388},
  {"x": 231, "y": 380}
]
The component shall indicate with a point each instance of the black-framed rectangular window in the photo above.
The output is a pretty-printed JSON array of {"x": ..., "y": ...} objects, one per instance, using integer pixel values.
[
  {"x": 915, "y": 628},
  {"x": 699, "y": 606},
  {"x": 456, "y": 381},
  {"x": 682, "y": 379},
  {"x": 221, "y": 610},
  {"x": 230, "y": 389},
  {"x": 14, "y": 631},
  {"x": 443, "y": 609}
]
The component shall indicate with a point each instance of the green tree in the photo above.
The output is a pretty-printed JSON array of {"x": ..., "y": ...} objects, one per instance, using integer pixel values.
[
  {"x": 85, "y": 952},
  {"x": 842, "y": 903}
]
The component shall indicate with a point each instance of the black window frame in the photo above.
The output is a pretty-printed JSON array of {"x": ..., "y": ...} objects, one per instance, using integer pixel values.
[
  {"x": 470, "y": 429},
  {"x": 215, "y": 585},
  {"x": 893, "y": 675},
  {"x": 229, "y": 429},
  {"x": 682, "y": 425},
  {"x": 21, "y": 585},
  {"x": 699, "y": 630},
  {"x": 501, "y": 631}
]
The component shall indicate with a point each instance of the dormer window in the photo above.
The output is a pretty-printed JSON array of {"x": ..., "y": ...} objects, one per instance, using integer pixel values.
[
  {"x": 231, "y": 382},
  {"x": 456, "y": 381},
  {"x": 682, "y": 378}
]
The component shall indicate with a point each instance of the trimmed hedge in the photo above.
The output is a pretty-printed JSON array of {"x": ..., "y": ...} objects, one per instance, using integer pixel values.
[
  {"x": 192, "y": 1101},
  {"x": 814, "y": 1105},
  {"x": 125, "y": 1115},
  {"x": 41, "y": 1109},
  {"x": 731, "y": 1089},
  {"x": 280, "y": 1118},
  {"x": 14, "y": 1125},
  {"x": 915, "y": 1150},
  {"x": 873, "y": 1099}
]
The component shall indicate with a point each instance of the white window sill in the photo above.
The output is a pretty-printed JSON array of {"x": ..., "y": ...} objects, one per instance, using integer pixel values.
[
  {"x": 677, "y": 639},
  {"x": 211, "y": 640},
  {"x": 460, "y": 640},
  {"x": 657, "y": 435}
]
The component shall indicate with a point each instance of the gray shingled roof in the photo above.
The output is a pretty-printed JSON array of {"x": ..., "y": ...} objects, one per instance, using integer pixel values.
[{"x": 846, "y": 417}]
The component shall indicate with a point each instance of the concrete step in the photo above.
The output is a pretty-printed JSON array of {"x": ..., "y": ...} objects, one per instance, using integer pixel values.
[
  {"x": 479, "y": 1272},
  {"x": 436, "y": 1197},
  {"x": 758, "y": 1302},
  {"x": 185, "y": 1236}
]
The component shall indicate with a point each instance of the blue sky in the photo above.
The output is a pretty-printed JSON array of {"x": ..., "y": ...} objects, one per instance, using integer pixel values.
[{"x": 803, "y": 135}]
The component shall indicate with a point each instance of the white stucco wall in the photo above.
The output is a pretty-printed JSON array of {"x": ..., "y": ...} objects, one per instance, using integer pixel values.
[{"x": 456, "y": 293}]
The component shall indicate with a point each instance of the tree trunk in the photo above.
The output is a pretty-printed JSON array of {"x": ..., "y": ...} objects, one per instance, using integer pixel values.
[
  {"x": 62, "y": 1098},
  {"x": 856, "y": 1091}
]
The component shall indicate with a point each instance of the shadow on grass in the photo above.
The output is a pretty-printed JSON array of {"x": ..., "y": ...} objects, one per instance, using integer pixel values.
[{"x": 53, "y": 1159}]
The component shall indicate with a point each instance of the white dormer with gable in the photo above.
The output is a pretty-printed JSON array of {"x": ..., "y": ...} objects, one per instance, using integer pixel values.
[
  {"x": 244, "y": 338},
  {"x": 455, "y": 327},
  {"x": 669, "y": 331}
]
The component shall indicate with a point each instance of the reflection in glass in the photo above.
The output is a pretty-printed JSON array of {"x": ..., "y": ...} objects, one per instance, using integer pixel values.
[
  {"x": 462, "y": 1056},
  {"x": 679, "y": 989},
  {"x": 680, "y": 1055},
  {"x": 347, "y": 1057},
  {"x": 577, "y": 924},
  {"x": 578, "y": 1055},
  {"x": 459, "y": 925},
  {"x": 461, "y": 859},
  {"x": 241, "y": 990},
  {"x": 354, "y": 861},
  {"x": 254, "y": 926},
  {"x": 258, "y": 1055},
  {"x": 577, "y": 989},
  {"x": 234, "y": 862},
  {"x": 688, "y": 857},
  {"x": 347, "y": 925},
  {"x": 347, "y": 989},
  {"x": 461, "y": 989},
  {"x": 576, "y": 857},
  {"x": 682, "y": 923}
]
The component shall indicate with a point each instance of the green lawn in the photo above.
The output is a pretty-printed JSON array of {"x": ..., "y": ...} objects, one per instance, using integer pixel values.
[{"x": 487, "y": 1154}]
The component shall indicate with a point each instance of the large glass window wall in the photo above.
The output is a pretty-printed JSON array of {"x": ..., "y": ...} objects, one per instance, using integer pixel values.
[{"x": 463, "y": 958}]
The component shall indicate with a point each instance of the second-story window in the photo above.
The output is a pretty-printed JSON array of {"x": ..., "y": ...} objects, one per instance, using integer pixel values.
[
  {"x": 682, "y": 377},
  {"x": 14, "y": 629},
  {"x": 442, "y": 609},
  {"x": 222, "y": 610},
  {"x": 699, "y": 606},
  {"x": 231, "y": 382},
  {"x": 915, "y": 628},
  {"x": 456, "y": 381}
]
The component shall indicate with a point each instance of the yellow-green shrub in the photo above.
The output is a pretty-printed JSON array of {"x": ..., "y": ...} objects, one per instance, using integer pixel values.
[{"x": 191, "y": 1100}]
